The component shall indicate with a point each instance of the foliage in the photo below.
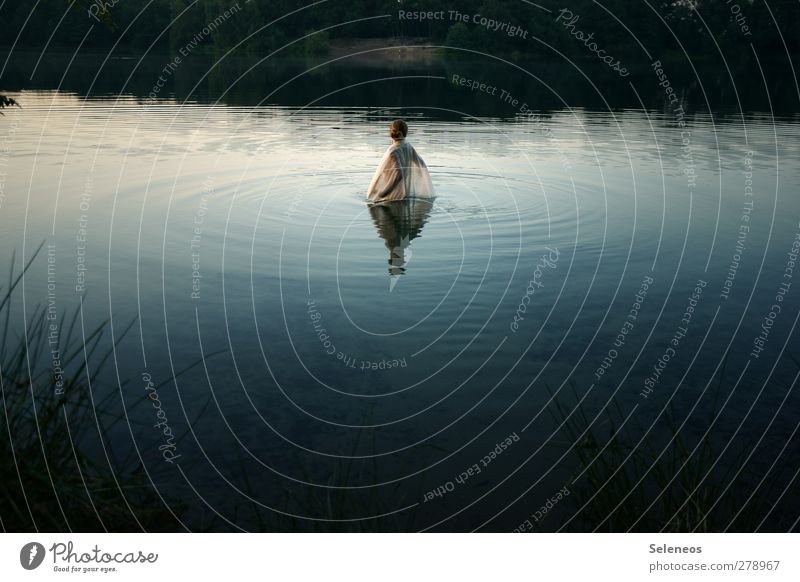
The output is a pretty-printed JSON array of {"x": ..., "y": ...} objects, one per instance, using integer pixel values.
[
  {"x": 6, "y": 102},
  {"x": 259, "y": 27},
  {"x": 58, "y": 470},
  {"x": 317, "y": 43},
  {"x": 458, "y": 36}
]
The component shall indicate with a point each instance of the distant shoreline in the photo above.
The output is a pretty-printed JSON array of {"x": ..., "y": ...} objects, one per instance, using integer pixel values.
[
  {"x": 385, "y": 50},
  {"x": 375, "y": 50},
  {"x": 370, "y": 52}
]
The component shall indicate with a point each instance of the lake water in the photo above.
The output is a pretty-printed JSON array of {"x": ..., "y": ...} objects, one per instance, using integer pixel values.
[{"x": 626, "y": 258}]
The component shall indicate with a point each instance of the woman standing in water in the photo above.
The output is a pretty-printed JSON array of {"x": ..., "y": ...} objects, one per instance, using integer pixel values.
[{"x": 402, "y": 173}]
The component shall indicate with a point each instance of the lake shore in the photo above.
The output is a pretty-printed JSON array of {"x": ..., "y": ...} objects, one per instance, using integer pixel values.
[{"x": 385, "y": 50}]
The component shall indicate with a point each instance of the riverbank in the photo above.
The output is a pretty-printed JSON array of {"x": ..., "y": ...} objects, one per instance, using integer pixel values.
[{"x": 385, "y": 50}]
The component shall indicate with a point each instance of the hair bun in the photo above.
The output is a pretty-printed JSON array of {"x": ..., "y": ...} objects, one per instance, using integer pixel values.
[{"x": 398, "y": 129}]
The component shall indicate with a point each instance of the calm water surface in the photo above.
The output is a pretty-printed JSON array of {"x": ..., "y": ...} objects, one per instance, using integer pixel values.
[{"x": 383, "y": 351}]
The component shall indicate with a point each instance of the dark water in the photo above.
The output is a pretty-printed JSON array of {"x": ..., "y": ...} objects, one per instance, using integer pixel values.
[{"x": 595, "y": 257}]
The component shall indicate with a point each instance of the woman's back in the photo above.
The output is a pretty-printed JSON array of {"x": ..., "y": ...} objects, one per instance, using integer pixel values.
[
  {"x": 401, "y": 174},
  {"x": 418, "y": 183}
]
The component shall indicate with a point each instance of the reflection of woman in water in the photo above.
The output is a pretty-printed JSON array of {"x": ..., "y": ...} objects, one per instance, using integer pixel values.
[
  {"x": 402, "y": 173},
  {"x": 398, "y": 224}
]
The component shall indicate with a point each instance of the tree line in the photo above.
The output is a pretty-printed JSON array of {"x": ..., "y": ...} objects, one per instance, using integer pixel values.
[{"x": 259, "y": 27}]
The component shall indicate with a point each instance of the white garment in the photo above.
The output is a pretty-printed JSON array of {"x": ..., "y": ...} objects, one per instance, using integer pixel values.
[{"x": 401, "y": 174}]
